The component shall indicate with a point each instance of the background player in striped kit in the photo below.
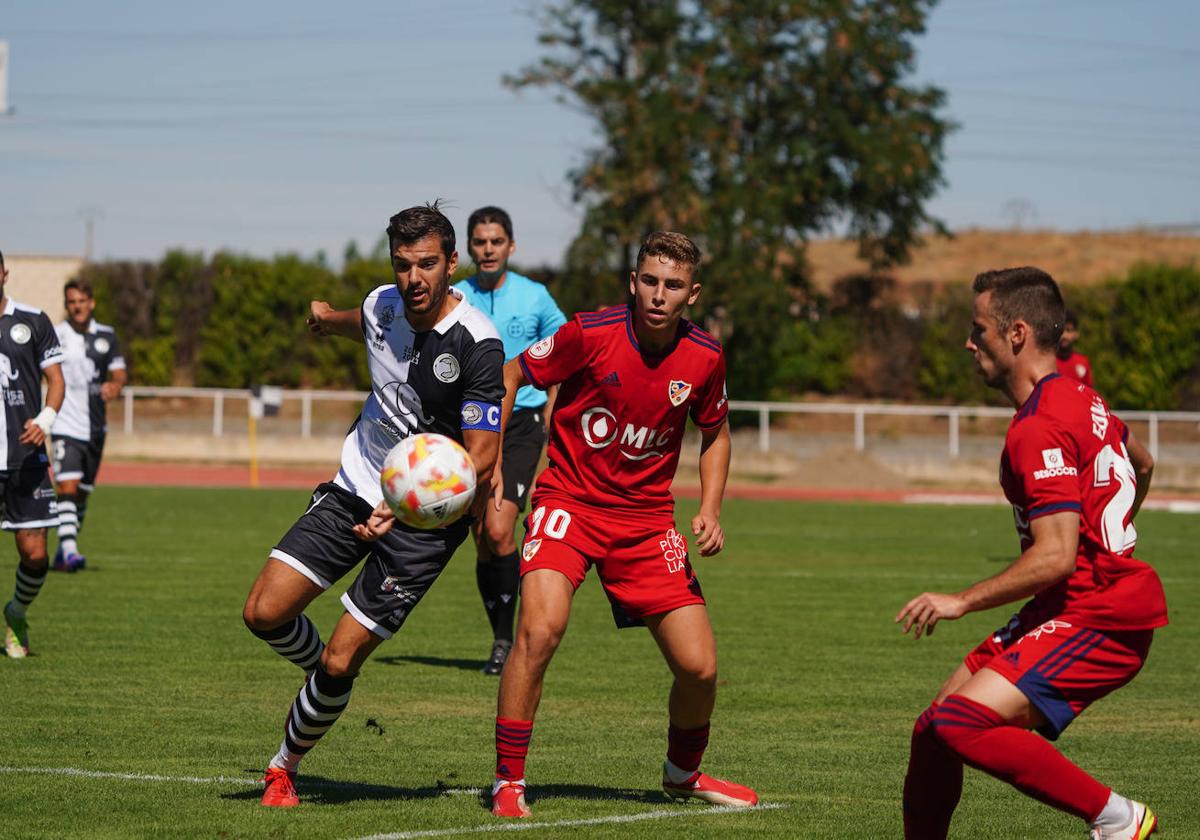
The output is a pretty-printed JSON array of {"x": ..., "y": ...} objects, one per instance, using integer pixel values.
[
  {"x": 1076, "y": 478},
  {"x": 94, "y": 371},
  {"x": 436, "y": 366},
  {"x": 523, "y": 312},
  {"x": 29, "y": 350}
]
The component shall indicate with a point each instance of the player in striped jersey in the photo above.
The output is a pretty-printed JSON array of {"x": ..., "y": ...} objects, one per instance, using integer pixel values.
[
  {"x": 94, "y": 371},
  {"x": 29, "y": 350}
]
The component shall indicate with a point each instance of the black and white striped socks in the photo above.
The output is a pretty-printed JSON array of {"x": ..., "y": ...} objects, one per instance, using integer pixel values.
[
  {"x": 28, "y": 585},
  {"x": 68, "y": 525},
  {"x": 315, "y": 710},
  {"x": 297, "y": 641}
]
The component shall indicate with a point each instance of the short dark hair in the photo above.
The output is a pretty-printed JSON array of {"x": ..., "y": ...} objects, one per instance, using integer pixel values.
[
  {"x": 416, "y": 223},
  {"x": 1025, "y": 294},
  {"x": 84, "y": 286},
  {"x": 1069, "y": 317},
  {"x": 673, "y": 246},
  {"x": 489, "y": 216}
]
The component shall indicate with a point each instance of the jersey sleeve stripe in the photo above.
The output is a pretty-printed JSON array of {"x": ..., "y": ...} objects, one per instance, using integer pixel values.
[
  {"x": 590, "y": 323},
  {"x": 724, "y": 416},
  {"x": 701, "y": 337},
  {"x": 533, "y": 380},
  {"x": 1054, "y": 507}
]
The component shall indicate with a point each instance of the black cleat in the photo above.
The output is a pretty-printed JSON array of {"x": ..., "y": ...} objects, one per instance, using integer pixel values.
[{"x": 495, "y": 663}]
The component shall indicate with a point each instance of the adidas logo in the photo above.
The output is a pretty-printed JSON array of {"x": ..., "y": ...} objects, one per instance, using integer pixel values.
[
  {"x": 1012, "y": 657},
  {"x": 611, "y": 379}
]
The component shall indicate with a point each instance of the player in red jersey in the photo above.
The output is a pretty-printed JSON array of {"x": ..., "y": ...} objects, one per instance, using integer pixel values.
[
  {"x": 629, "y": 379},
  {"x": 1076, "y": 478},
  {"x": 1072, "y": 364}
]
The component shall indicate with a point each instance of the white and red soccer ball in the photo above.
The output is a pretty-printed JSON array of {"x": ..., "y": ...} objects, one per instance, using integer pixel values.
[{"x": 428, "y": 480}]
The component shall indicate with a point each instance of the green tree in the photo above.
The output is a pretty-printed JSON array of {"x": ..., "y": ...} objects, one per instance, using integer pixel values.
[{"x": 750, "y": 125}]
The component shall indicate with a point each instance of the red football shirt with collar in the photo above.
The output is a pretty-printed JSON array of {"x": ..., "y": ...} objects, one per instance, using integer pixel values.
[
  {"x": 620, "y": 414},
  {"x": 1066, "y": 452},
  {"x": 1077, "y": 367}
]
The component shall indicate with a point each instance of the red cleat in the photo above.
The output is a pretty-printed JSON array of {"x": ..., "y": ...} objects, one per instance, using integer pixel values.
[
  {"x": 508, "y": 800},
  {"x": 280, "y": 789},
  {"x": 716, "y": 791}
]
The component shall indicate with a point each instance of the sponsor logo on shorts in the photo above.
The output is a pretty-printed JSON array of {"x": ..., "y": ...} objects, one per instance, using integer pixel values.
[
  {"x": 530, "y": 549},
  {"x": 1012, "y": 657},
  {"x": 446, "y": 368},
  {"x": 1055, "y": 466},
  {"x": 674, "y": 551},
  {"x": 391, "y": 586},
  {"x": 678, "y": 391},
  {"x": 21, "y": 334},
  {"x": 1049, "y": 627},
  {"x": 541, "y": 349}
]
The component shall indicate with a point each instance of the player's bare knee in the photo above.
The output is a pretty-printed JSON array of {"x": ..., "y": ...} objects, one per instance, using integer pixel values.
[
  {"x": 701, "y": 675},
  {"x": 258, "y": 613},
  {"x": 338, "y": 661},
  {"x": 498, "y": 536},
  {"x": 540, "y": 639}
]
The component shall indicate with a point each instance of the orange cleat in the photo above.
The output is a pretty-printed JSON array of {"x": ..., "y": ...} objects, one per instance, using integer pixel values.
[
  {"x": 280, "y": 789},
  {"x": 708, "y": 789},
  {"x": 508, "y": 800}
]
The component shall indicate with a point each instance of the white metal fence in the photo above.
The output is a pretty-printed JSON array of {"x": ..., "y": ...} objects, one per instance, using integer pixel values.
[{"x": 857, "y": 414}]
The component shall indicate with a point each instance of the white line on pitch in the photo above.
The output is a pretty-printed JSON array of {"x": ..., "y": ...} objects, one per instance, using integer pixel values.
[
  {"x": 196, "y": 780},
  {"x": 531, "y": 826}
]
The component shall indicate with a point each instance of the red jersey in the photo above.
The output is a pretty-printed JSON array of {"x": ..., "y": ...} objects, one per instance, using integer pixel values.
[
  {"x": 1065, "y": 451},
  {"x": 619, "y": 418},
  {"x": 1077, "y": 367}
]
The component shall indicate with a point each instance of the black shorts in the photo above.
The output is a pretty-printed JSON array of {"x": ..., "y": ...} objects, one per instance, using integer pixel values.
[
  {"x": 524, "y": 437},
  {"x": 400, "y": 567},
  {"x": 27, "y": 495},
  {"x": 77, "y": 460}
]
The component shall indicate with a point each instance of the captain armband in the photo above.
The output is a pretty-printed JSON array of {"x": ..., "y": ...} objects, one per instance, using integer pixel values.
[{"x": 481, "y": 416}]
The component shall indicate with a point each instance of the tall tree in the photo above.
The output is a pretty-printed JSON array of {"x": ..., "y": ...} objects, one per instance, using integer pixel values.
[{"x": 750, "y": 125}]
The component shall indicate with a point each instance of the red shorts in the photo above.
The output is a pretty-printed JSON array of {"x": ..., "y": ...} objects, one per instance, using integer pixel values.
[
  {"x": 642, "y": 560},
  {"x": 1060, "y": 667}
]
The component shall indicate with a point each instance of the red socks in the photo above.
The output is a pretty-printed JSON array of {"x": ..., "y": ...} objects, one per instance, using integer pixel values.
[
  {"x": 1028, "y": 762},
  {"x": 685, "y": 747},
  {"x": 933, "y": 784},
  {"x": 512, "y": 745}
]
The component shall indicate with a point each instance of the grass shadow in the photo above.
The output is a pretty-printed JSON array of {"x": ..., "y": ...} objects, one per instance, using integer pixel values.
[{"x": 434, "y": 661}]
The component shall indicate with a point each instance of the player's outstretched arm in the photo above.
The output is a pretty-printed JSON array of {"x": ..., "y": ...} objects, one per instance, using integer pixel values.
[
  {"x": 715, "y": 448},
  {"x": 484, "y": 448},
  {"x": 323, "y": 319},
  {"x": 1143, "y": 465},
  {"x": 1048, "y": 560}
]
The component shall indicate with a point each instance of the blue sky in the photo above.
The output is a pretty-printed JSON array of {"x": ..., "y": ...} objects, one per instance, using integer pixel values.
[{"x": 298, "y": 126}]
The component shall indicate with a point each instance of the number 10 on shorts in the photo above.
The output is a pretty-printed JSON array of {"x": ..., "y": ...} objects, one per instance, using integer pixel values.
[{"x": 557, "y": 521}]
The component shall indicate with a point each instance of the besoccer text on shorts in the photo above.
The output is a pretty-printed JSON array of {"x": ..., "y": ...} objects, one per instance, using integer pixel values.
[
  {"x": 1076, "y": 478},
  {"x": 629, "y": 377},
  {"x": 436, "y": 366}
]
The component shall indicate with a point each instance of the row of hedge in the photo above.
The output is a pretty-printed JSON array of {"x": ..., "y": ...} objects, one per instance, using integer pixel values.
[{"x": 232, "y": 321}]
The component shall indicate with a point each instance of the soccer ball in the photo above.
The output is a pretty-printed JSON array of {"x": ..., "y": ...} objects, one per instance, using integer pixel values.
[{"x": 428, "y": 480}]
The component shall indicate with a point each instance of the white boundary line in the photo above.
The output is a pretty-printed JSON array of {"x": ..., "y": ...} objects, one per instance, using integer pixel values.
[
  {"x": 196, "y": 780},
  {"x": 532, "y": 826}
]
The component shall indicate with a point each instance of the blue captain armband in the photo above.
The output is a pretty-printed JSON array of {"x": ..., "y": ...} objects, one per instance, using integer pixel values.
[{"x": 478, "y": 415}]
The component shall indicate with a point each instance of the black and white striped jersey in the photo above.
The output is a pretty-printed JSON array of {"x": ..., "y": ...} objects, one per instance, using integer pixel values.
[
  {"x": 442, "y": 380},
  {"x": 27, "y": 345},
  {"x": 88, "y": 358}
]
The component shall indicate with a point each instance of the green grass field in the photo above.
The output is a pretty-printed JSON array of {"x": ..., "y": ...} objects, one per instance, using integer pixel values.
[{"x": 143, "y": 667}]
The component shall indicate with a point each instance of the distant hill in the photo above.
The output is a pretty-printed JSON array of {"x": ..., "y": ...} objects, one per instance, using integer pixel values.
[{"x": 1078, "y": 257}]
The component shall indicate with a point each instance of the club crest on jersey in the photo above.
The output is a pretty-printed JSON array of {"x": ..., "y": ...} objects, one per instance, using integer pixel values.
[
  {"x": 387, "y": 315},
  {"x": 20, "y": 334},
  {"x": 678, "y": 391},
  {"x": 101, "y": 345},
  {"x": 541, "y": 349},
  {"x": 530, "y": 549},
  {"x": 445, "y": 368}
]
